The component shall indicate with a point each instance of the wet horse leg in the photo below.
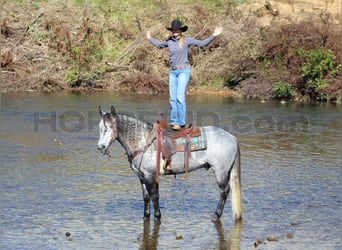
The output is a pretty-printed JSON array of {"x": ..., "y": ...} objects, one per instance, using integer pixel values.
[
  {"x": 147, "y": 199},
  {"x": 224, "y": 191},
  {"x": 155, "y": 200},
  {"x": 151, "y": 191}
]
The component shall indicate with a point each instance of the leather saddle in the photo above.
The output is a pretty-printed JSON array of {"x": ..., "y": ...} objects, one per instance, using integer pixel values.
[
  {"x": 170, "y": 141},
  {"x": 174, "y": 134}
]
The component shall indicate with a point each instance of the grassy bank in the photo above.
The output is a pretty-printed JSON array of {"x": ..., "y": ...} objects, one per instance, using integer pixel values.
[{"x": 98, "y": 44}]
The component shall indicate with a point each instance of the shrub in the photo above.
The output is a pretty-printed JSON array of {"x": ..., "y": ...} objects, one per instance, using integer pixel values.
[
  {"x": 282, "y": 90},
  {"x": 310, "y": 69},
  {"x": 253, "y": 88},
  {"x": 72, "y": 75},
  {"x": 318, "y": 63}
]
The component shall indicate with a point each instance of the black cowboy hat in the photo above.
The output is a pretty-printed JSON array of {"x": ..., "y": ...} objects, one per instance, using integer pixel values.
[{"x": 177, "y": 25}]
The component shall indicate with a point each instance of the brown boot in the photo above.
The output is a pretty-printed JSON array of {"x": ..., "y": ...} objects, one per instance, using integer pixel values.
[{"x": 176, "y": 127}]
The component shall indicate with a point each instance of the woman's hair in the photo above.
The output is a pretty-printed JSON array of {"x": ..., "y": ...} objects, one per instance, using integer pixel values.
[{"x": 181, "y": 40}]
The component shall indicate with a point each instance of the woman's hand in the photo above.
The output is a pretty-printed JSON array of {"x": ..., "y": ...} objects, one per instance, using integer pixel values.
[
  {"x": 218, "y": 31},
  {"x": 148, "y": 35}
]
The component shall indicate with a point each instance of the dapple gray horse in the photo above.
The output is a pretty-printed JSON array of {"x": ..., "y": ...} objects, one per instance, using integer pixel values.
[{"x": 222, "y": 155}]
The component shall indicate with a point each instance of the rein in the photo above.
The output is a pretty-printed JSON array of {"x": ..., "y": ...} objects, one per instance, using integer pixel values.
[
  {"x": 113, "y": 157},
  {"x": 136, "y": 152},
  {"x": 151, "y": 137},
  {"x": 109, "y": 155}
]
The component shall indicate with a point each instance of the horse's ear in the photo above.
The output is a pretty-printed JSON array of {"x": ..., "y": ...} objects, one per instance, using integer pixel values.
[
  {"x": 112, "y": 110},
  {"x": 100, "y": 111}
]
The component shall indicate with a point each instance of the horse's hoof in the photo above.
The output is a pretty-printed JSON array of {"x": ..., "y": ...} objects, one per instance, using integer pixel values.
[
  {"x": 157, "y": 221},
  {"x": 146, "y": 216},
  {"x": 157, "y": 218},
  {"x": 215, "y": 217},
  {"x": 238, "y": 220}
]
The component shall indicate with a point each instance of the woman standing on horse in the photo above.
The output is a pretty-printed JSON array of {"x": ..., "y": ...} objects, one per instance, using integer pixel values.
[{"x": 179, "y": 46}]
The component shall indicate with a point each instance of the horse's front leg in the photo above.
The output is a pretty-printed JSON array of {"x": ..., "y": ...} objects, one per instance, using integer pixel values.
[
  {"x": 155, "y": 200},
  {"x": 147, "y": 199}
]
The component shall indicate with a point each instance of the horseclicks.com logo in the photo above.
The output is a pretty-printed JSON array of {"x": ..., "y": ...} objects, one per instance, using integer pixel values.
[{"x": 77, "y": 121}]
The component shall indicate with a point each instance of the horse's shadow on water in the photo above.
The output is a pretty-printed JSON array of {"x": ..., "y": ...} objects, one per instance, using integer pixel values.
[{"x": 149, "y": 240}]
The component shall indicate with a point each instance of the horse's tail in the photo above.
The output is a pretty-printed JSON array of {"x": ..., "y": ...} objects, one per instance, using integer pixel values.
[{"x": 235, "y": 187}]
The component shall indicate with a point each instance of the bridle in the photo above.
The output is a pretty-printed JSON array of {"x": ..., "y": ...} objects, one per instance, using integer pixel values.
[
  {"x": 114, "y": 128},
  {"x": 130, "y": 156}
]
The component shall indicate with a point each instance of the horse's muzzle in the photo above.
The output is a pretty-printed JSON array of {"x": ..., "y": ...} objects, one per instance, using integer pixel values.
[{"x": 101, "y": 148}]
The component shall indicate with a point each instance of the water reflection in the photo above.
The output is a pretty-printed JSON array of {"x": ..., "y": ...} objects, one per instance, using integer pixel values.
[
  {"x": 225, "y": 241},
  {"x": 233, "y": 241},
  {"x": 149, "y": 239}
]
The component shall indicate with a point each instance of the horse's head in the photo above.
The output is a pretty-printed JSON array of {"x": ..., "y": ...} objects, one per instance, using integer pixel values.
[{"x": 108, "y": 130}]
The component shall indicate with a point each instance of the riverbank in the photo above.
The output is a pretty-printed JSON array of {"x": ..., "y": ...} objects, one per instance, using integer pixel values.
[{"x": 49, "y": 46}]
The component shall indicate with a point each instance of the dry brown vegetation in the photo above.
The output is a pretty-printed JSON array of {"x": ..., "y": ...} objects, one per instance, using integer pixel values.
[
  {"x": 279, "y": 60},
  {"x": 53, "y": 45}
]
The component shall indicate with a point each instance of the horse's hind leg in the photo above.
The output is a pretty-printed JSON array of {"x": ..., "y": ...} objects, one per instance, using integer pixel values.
[
  {"x": 229, "y": 181},
  {"x": 224, "y": 191}
]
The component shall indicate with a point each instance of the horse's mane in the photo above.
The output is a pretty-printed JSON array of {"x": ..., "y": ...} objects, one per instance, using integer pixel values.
[
  {"x": 132, "y": 121},
  {"x": 128, "y": 120},
  {"x": 131, "y": 131}
]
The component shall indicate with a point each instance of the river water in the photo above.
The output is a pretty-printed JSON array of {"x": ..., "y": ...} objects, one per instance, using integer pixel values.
[{"x": 58, "y": 192}]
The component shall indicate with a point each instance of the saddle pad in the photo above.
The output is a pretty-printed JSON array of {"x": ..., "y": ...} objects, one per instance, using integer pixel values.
[{"x": 197, "y": 143}]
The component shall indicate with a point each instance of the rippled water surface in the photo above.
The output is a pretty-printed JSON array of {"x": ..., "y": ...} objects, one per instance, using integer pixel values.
[{"x": 55, "y": 183}]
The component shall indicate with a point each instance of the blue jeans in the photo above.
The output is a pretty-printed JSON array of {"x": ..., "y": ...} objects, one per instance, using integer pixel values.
[{"x": 178, "y": 83}]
